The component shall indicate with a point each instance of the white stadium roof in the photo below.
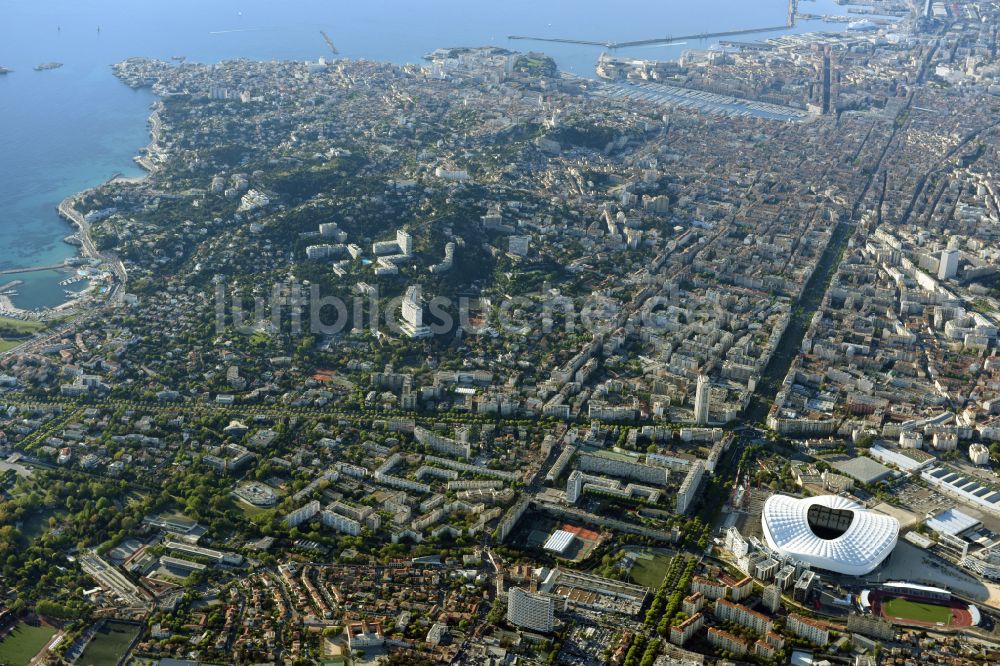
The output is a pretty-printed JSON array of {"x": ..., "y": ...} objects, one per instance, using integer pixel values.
[{"x": 829, "y": 532}]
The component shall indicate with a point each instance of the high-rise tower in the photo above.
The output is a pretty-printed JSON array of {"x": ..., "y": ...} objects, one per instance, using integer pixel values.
[{"x": 702, "y": 398}]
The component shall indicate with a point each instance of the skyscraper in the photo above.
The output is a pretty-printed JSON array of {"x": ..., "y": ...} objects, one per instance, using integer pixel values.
[{"x": 702, "y": 398}]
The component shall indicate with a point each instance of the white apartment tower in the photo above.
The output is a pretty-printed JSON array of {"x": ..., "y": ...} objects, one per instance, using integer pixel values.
[
  {"x": 702, "y": 397},
  {"x": 413, "y": 314},
  {"x": 405, "y": 242},
  {"x": 531, "y": 611},
  {"x": 948, "y": 266},
  {"x": 574, "y": 486}
]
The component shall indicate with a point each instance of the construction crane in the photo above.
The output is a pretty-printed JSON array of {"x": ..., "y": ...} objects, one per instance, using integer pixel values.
[{"x": 329, "y": 42}]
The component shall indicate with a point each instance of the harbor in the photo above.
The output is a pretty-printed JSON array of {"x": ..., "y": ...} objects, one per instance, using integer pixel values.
[{"x": 42, "y": 294}]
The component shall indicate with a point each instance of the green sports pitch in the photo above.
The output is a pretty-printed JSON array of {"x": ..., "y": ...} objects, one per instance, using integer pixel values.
[{"x": 907, "y": 609}]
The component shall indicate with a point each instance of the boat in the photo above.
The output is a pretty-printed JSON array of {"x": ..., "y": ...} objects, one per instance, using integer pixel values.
[
  {"x": 4, "y": 70},
  {"x": 48, "y": 65}
]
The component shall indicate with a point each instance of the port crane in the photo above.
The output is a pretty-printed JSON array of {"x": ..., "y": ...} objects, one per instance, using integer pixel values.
[{"x": 329, "y": 42}]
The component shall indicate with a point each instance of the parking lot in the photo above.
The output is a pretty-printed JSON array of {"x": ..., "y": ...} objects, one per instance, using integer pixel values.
[{"x": 922, "y": 501}]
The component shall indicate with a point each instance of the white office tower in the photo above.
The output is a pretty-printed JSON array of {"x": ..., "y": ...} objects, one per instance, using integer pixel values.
[
  {"x": 948, "y": 267},
  {"x": 531, "y": 611},
  {"x": 405, "y": 242},
  {"x": 702, "y": 397},
  {"x": 413, "y": 314}
]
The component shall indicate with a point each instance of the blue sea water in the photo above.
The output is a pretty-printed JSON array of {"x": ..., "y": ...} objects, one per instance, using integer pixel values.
[{"x": 64, "y": 130}]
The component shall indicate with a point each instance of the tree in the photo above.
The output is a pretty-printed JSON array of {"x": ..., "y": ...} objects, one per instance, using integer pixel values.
[{"x": 55, "y": 610}]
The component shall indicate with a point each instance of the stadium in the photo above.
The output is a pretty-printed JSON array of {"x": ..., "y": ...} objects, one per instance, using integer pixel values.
[
  {"x": 829, "y": 532},
  {"x": 919, "y": 605}
]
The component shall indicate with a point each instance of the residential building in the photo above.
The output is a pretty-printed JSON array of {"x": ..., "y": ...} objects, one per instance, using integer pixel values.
[
  {"x": 807, "y": 628},
  {"x": 702, "y": 400},
  {"x": 681, "y": 633},
  {"x": 711, "y": 589},
  {"x": 740, "y": 614},
  {"x": 413, "y": 314},
  {"x": 531, "y": 611},
  {"x": 772, "y": 598},
  {"x": 723, "y": 640},
  {"x": 948, "y": 265}
]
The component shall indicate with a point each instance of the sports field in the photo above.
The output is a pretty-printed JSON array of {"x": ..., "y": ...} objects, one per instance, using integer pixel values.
[
  {"x": 907, "y": 609},
  {"x": 15, "y": 328},
  {"x": 24, "y": 642},
  {"x": 110, "y": 643},
  {"x": 650, "y": 570}
]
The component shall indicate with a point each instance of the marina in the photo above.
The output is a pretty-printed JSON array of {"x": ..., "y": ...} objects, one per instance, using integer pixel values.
[
  {"x": 41, "y": 292},
  {"x": 73, "y": 280}
]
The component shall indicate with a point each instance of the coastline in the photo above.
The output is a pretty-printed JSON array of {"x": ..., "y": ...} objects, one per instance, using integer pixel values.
[
  {"x": 67, "y": 211},
  {"x": 67, "y": 207},
  {"x": 85, "y": 246}
]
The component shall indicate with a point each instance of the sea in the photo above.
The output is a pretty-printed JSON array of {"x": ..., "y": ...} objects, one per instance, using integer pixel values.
[{"x": 68, "y": 129}]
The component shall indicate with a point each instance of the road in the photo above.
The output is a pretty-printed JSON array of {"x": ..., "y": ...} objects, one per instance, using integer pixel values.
[{"x": 67, "y": 209}]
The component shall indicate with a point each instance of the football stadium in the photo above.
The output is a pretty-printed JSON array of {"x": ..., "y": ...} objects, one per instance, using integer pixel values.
[{"x": 829, "y": 532}]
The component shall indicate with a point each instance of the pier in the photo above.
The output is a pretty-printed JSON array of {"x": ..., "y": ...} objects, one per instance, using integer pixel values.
[{"x": 33, "y": 269}]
